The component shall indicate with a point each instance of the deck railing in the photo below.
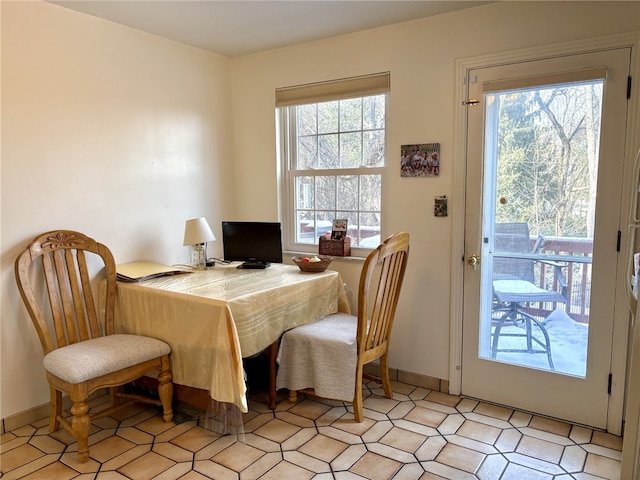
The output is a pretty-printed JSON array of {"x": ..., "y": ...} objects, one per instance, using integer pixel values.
[{"x": 575, "y": 256}]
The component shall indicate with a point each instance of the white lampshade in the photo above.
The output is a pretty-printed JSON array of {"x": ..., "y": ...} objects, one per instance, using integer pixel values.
[{"x": 197, "y": 231}]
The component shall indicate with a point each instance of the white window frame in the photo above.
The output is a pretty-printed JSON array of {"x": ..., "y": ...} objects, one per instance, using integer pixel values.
[{"x": 287, "y": 143}]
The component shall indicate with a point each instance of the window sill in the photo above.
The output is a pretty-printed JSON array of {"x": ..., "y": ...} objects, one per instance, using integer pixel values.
[{"x": 358, "y": 256}]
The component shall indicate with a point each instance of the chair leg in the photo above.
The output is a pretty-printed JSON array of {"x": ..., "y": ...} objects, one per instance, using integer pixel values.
[
  {"x": 496, "y": 335},
  {"x": 165, "y": 390},
  {"x": 547, "y": 340},
  {"x": 273, "y": 354},
  {"x": 384, "y": 375},
  {"x": 80, "y": 424},
  {"x": 357, "y": 398},
  {"x": 56, "y": 409},
  {"x": 512, "y": 314},
  {"x": 114, "y": 395}
]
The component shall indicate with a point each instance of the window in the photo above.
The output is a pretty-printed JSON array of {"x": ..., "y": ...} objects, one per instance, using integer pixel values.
[{"x": 333, "y": 146}]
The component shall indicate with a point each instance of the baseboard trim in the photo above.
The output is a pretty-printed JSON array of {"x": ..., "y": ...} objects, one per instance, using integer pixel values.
[
  {"x": 416, "y": 379},
  {"x": 35, "y": 414}
]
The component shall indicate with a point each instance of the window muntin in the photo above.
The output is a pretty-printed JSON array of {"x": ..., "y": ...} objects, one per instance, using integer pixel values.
[{"x": 335, "y": 166}]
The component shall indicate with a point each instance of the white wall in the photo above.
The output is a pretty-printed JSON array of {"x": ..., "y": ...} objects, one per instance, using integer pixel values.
[
  {"x": 124, "y": 135},
  {"x": 420, "y": 56},
  {"x": 109, "y": 131}
]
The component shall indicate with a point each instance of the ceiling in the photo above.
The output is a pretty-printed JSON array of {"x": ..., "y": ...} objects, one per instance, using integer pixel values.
[{"x": 239, "y": 27}]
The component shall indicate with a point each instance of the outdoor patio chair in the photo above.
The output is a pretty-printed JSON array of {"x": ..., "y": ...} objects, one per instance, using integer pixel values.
[{"x": 515, "y": 289}]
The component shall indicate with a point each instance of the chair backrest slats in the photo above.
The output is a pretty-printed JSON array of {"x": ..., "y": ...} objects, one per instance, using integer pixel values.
[
  {"x": 65, "y": 286},
  {"x": 89, "y": 310},
  {"x": 379, "y": 290},
  {"x": 72, "y": 307},
  {"x": 513, "y": 238},
  {"x": 82, "y": 300},
  {"x": 55, "y": 301}
]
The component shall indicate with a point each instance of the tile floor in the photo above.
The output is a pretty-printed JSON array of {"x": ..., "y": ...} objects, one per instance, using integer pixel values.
[{"x": 419, "y": 434}]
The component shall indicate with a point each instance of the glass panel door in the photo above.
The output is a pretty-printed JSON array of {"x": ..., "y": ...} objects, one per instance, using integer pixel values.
[
  {"x": 545, "y": 162},
  {"x": 541, "y": 169}
]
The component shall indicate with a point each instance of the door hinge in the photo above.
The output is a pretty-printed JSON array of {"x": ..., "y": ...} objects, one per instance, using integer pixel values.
[
  {"x": 618, "y": 242},
  {"x": 609, "y": 384},
  {"x": 628, "y": 87}
]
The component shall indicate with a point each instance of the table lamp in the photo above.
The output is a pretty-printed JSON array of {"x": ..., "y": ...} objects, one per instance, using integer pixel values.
[{"x": 197, "y": 233}]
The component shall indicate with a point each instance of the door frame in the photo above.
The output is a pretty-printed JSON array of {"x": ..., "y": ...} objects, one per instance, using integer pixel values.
[{"x": 457, "y": 206}]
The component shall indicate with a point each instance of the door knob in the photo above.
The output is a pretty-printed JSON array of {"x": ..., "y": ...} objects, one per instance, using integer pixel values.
[{"x": 474, "y": 261}]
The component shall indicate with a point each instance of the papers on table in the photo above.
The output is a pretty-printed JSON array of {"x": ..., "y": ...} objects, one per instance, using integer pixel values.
[{"x": 141, "y": 271}]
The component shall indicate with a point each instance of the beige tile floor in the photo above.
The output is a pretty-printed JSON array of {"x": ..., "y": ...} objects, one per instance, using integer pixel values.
[{"x": 419, "y": 434}]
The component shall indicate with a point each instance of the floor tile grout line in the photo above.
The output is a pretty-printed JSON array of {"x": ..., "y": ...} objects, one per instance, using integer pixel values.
[{"x": 573, "y": 438}]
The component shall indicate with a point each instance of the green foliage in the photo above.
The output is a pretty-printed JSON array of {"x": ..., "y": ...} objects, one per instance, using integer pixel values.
[{"x": 547, "y": 157}]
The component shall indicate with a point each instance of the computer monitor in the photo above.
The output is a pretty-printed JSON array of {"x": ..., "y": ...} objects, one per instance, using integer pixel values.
[{"x": 256, "y": 244}]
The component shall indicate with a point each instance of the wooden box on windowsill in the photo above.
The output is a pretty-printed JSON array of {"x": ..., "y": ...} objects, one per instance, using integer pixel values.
[{"x": 337, "y": 248}]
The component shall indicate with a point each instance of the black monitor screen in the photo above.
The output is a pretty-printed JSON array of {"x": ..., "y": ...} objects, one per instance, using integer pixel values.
[{"x": 256, "y": 243}]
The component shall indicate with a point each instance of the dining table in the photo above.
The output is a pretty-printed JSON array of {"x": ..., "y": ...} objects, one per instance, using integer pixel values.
[{"x": 214, "y": 318}]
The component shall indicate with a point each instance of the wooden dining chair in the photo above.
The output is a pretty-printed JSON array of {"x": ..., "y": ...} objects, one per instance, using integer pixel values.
[
  {"x": 81, "y": 355},
  {"x": 327, "y": 357}
]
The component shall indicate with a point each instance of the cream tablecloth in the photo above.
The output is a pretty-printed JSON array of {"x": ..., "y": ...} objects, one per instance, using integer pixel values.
[{"x": 213, "y": 318}]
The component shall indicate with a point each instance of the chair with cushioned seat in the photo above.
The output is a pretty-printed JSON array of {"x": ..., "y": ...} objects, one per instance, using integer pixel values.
[
  {"x": 327, "y": 357},
  {"x": 80, "y": 357}
]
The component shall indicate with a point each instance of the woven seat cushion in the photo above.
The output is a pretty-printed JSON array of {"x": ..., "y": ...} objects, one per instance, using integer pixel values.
[
  {"x": 99, "y": 356},
  {"x": 321, "y": 355}
]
